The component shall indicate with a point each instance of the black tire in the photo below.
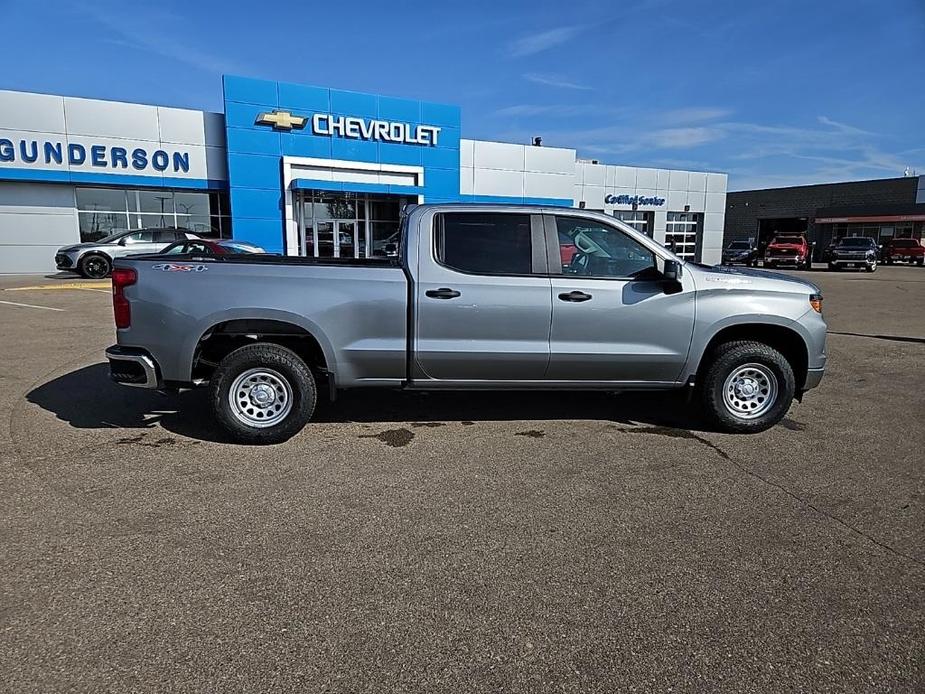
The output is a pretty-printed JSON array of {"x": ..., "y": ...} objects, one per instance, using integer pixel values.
[
  {"x": 768, "y": 264},
  {"x": 872, "y": 267},
  {"x": 95, "y": 266},
  {"x": 727, "y": 359},
  {"x": 277, "y": 362},
  {"x": 888, "y": 260}
]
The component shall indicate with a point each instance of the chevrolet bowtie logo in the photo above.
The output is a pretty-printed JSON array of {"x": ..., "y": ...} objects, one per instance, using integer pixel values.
[{"x": 282, "y": 120}]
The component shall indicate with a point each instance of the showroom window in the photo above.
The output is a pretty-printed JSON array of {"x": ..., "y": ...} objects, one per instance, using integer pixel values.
[
  {"x": 682, "y": 232},
  {"x": 102, "y": 211}
]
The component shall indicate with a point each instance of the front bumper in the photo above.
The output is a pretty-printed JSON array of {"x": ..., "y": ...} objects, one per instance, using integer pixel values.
[
  {"x": 130, "y": 366},
  {"x": 784, "y": 259},
  {"x": 65, "y": 262},
  {"x": 813, "y": 378},
  {"x": 853, "y": 261}
]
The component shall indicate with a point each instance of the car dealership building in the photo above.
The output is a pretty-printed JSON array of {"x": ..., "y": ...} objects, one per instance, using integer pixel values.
[
  {"x": 300, "y": 170},
  {"x": 881, "y": 209}
]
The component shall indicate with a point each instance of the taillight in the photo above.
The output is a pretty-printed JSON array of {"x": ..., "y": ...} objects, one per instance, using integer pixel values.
[{"x": 122, "y": 278}]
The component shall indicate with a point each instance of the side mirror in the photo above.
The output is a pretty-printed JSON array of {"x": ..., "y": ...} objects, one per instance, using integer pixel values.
[
  {"x": 672, "y": 271},
  {"x": 123, "y": 240}
]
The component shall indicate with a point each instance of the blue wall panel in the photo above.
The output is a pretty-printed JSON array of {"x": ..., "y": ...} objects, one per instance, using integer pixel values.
[{"x": 255, "y": 151}]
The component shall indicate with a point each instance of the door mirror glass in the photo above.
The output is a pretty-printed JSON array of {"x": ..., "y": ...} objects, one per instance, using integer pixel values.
[{"x": 672, "y": 271}]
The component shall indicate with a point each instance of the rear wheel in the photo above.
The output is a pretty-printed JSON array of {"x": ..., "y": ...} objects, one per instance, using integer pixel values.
[
  {"x": 748, "y": 387},
  {"x": 95, "y": 267},
  {"x": 262, "y": 393}
]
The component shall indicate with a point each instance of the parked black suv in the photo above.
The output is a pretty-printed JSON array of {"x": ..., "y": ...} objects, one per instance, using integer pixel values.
[
  {"x": 743, "y": 252},
  {"x": 854, "y": 251}
]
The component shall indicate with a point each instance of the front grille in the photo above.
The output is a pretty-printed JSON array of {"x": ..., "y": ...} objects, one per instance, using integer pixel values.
[{"x": 62, "y": 260}]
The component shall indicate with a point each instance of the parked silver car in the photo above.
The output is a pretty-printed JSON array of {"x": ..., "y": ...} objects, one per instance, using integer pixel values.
[{"x": 94, "y": 259}]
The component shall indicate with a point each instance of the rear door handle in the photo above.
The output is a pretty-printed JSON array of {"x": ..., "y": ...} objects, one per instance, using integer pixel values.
[
  {"x": 575, "y": 296},
  {"x": 442, "y": 293}
]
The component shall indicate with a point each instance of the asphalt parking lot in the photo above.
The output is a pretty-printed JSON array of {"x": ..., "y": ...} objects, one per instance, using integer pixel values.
[{"x": 485, "y": 542}]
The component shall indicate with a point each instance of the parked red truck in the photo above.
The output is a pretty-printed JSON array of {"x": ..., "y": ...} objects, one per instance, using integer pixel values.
[
  {"x": 791, "y": 249},
  {"x": 904, "y": 250}
]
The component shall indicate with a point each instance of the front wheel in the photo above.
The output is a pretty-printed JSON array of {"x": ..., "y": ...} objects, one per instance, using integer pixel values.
[
  {"x": 748, "y": 387},
  {"x": 95, "y": 267},
  {"x": 262, "y": 393},
  {"x": 871, "y": 267}
]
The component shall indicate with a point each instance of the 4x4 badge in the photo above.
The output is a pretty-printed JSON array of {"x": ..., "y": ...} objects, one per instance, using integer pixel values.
[{"x": 179, "y": 267}]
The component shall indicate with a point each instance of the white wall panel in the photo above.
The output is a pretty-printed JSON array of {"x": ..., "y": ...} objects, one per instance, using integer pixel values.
[
  {"x": 626, "y": 176},
  {"x": 544, "y": 185},
  {"x": 549, "y": 160},
  {"x": 647, "y": 178},
  {"x": 592, "y": 174},
  {"x": 716, "y": 202},
  {"x": 662, "y": 184},
  {"x": 498, "y": 155},
  {"x": 31, "y": 229},
  {"x": 26, "y": 259},
  {"x": 676, "y": 200},
  {"x": 32, "y": 112},
  {"x": 467, "y": 153},
  {"x": 679, "y": 180},
  {"x": 698, "y": 182},
  {"x": 110, "y": 119},
  {"x": 716, "y": 183},
  {"x": 498, "y": 182},
  {"x": 594, "y": 196}
]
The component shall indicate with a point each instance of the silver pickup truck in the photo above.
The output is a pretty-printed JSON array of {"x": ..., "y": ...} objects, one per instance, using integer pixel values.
[{"x": 478, "y": 297}]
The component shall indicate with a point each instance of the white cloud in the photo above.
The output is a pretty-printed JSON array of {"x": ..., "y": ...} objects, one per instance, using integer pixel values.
[
  {"x": 554, "y": 81},
  {"x": 543, "y": 40}
]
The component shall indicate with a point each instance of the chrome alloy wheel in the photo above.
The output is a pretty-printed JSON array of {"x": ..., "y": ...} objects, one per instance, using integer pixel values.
[
  {"x": 260, "y": 397},
  {"x": 750, "y": 391}
]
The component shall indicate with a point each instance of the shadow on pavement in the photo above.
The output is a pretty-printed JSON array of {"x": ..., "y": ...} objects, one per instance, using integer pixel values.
[{"x": 88, "y": 399}]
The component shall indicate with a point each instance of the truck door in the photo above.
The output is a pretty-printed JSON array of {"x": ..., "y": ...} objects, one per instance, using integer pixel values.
[
  {"x": 483, "y": 302},
  {"x": 614, "y": 317}
]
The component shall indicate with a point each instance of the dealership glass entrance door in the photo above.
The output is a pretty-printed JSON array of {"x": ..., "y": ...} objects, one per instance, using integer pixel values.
[{"x": 347, "y": 225}]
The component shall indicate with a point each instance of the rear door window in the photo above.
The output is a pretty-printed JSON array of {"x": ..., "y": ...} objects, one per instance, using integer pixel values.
[{"x": 485, "y": 243}]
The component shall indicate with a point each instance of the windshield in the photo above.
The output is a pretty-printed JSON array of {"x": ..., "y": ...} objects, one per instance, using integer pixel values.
[
  {"x": 788, "y": 239},
  {"x": 856, "y": 242},
  {"x": 112, "y": 238},
  {"x": 905, "y": 243},
  {"x": 739, "y": 246}
]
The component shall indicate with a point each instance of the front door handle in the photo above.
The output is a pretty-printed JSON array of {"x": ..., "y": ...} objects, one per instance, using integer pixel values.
[
  {"x": 442, "y": 293},
  {"x": 575, "y": 296}
]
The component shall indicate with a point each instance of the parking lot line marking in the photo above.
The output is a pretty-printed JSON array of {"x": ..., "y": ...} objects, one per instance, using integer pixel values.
[
  {"x": 97, "y": 286},
  {"x": 47, "y": 308}
]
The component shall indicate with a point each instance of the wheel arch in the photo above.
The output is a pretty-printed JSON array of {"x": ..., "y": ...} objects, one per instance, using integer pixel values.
[
  {"x": 784, "y": 339},
  {"x": 226, "y": 333}
]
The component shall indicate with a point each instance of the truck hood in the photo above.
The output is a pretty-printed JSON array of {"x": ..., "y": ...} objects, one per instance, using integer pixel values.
[{"x": 716, "y": 276}]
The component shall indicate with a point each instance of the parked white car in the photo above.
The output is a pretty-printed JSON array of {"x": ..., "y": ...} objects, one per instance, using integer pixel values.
[{"x": 94, "y": 259}]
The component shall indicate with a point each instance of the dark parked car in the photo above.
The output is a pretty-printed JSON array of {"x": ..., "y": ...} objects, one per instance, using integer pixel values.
[
  {"x": 207, "y": 247},
  {"x": 743, "y": 252},
  {"x": 854, "y": 251}
]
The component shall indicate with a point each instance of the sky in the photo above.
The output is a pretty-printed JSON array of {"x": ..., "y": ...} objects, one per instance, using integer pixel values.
[{"x": 773, "y": 92}]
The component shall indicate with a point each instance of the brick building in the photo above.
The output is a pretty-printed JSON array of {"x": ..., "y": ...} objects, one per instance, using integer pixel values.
[{"x": 893, "y": 207}]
